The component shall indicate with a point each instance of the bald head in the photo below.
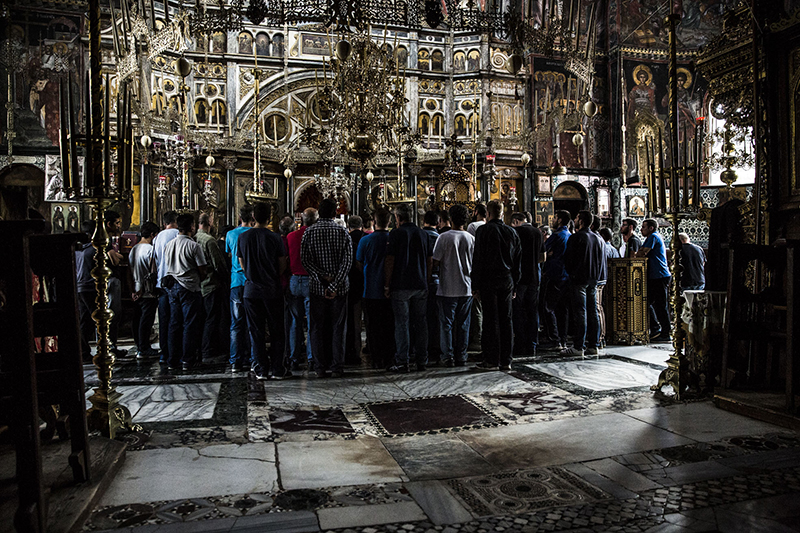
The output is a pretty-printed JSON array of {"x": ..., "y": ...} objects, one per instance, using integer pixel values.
[{"x": 309, "y": 216}]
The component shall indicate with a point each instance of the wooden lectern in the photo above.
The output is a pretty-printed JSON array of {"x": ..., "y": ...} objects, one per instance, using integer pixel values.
[{"x": 628, "y": 301}]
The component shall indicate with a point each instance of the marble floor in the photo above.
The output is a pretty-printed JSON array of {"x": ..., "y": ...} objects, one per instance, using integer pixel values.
[{"x": 554, "y": 444}]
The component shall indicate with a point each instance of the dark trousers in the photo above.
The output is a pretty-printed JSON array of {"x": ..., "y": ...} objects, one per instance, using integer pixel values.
[
  {"x": 526, "y": 319},
  {"x": 379, "y": 317},
  {"x": 327, "y": 333},
  {"x": 185, "y": 322},
  {"x": 86, "y": 305},
  {"x": 163, "y": 324},
  {"x": 143, "y": 319},
  {"x": 498, "y": 335},
  {"x": 556, "y": 298},
  {"x": 434, "y": 326},
  {"x": 658, "y": 298},
  {"x": 211, "y": 303},
  {"x": 263, "y": 314},
  {"x": 352, "y": 349}
]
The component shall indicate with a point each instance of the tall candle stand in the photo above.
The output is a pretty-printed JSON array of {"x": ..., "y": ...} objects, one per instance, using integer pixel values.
[
  {"x": 679, "y": 177},
  {"x": 100, "y": 188}
]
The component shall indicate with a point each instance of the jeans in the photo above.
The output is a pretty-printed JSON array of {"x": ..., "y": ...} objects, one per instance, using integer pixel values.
[
  {"x": 327, "y": 334},
  {"x": 299, "y": 302},
  {"x": 525, "y": 308},
  {"x": 586, "y": 319},
  {"x": 498, "y": 334},
  {"x": 380, "y": 331},
  {"x": 211, "y": 303},
  {"x": 555, "y": 305},
  {"x": 352, "y": 345},
  {"x": 115, "y": 304},
  {"x": 658, "y": 298},
  {"x": 184, "y": 325},
  {"x": 239, "y": 341},
  {"x": 163, "y": 324},
  {"x": 410, "y": 308},
  {"x": 454, "y": 321},
  {"x": 143, "y": 321},
  {"x": 267, "y": 312}
]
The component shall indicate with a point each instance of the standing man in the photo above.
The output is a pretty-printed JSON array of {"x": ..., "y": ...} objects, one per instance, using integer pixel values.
[
  {"x": 263, "y": 260},
  {"x": 611, "y": 252},
  {"x": 352, "y": 352},
  {"x": 299, "y": 297},
  {"x": 585, "y": 262},
  {"x": 526, "y": 304},
  {"x": 693, "y": 261},
  {"x": 87, "y": 290},
  {"x": 212, "y": 286},
  {"x": 430, "y": 221},
  {"x": 239, "y": 340},
  {"x": 327, "y": 254},
  {"x": 630, "y": 242},
  {"x": 452, "y": 254},
  {"x": 495, "y": 275},
  {"x": 476, "y": 322},
  {"x": 143, "y": 272},
  {"x": 444, "y": 222},
  {"x": 658, "y": 278},
  {"x": 555, "y": 288},
  {"x": 160, "y": 242},
  {"x": 371, "y": 254},
  {"x": 409, "y": 265},
  {"x": 186, "y": 267}
]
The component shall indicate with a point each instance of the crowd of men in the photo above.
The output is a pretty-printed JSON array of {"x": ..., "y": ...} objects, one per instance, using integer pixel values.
[{"x": 425, "y": 295}]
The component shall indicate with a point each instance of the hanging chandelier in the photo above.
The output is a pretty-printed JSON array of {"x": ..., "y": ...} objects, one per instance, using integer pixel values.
[{"x": 336, "y": 184}]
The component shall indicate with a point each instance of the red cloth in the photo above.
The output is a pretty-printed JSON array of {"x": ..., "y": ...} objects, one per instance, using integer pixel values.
[{"x": 293, "y": 250}]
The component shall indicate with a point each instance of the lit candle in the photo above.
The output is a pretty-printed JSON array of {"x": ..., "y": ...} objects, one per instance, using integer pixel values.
[{"x": 662, "y": 182}]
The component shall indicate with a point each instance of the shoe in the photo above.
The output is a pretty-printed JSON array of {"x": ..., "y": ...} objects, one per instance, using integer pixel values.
[
  {"x": 119, "y": 352},
  {"x": 174, "y": 368},
  {"x": 450, "y": 363},
  {"x": 236, "y": 369},
  {"x": 260, "y": 375},
  {"x": 571, "y": 351},
  {"x": 505, "y": 367},
  {"x": 562, "y": 345},
  {"x": 590, "y": 351},
  {"x": 321, "y": 375},
  {"x": 398, "y": 369},
  {"x": 189, "y": 366},
  {"x": 337, "y": 375},
  {"x": 485, "y": 366}
]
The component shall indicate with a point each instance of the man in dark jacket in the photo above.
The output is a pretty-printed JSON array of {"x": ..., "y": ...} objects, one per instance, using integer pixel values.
[
  {"x": 585, "y": 262},
  {"x": 496, "y": 271},
  {"x": 526, "y": 304}
]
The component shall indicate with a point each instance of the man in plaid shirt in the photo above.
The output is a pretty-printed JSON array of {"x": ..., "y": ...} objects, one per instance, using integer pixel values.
[{"x": 327, "y": 254}]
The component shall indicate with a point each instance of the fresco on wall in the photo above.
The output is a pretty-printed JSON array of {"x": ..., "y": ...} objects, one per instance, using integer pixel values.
[
  {"x": 641, "y": 23},
  {"x": 647, "y": 108}
]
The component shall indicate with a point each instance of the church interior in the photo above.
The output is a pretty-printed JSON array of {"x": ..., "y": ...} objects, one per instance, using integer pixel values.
[{"x": 683, "y": 112}]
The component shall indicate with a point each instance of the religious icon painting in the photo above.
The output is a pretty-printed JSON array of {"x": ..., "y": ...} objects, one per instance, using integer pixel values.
[
  {"x": 636, "y": 206},
  {"x": 544, "y": 185}
]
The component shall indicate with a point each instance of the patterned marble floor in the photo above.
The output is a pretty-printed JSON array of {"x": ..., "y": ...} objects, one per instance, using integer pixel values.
[{"x": 556, "y": 444}]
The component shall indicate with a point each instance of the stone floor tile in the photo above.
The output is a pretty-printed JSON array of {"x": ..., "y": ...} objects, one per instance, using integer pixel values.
[
  {"x": 369, "y": 515},
  {"x": 622, "y": 475},
  {"x": 436, "y": 457},
  {"x": 437, "y": 502}
]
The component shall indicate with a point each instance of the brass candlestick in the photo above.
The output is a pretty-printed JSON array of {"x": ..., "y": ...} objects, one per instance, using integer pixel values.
[{"x": 676, "y": 179}]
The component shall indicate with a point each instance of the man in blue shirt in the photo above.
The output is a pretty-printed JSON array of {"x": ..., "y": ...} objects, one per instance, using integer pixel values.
[
  {"x": 658, "y": 278},
  {"x": 555, "y": 277},
  {"x": 408, "y": 267},
  {"x": 370, "y": 255},
  {"x": 239, "y": 342}
]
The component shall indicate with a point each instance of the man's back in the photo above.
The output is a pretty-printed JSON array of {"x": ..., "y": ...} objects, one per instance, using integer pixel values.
[
  {"x": 530, "y": 239},
  {"x": 326, "y": 250},
  {"x": 182, "y": 257},
  {"x": 159, "y": 244},
  {"x": 585, "y": 257},
  {"x": 372, "y": 254},
  {"x": 410, "y": 247},
  {"x": 497, "y": 255},
  {"x": 454, "y": 250},
  {"x": 231, "y": 242},
  {"x": 693, "y": 260},
  {"x": 260, "y": 250}
]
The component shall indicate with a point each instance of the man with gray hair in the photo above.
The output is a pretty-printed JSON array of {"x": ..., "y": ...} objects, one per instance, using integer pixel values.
[{"x": 693, "y": 261}]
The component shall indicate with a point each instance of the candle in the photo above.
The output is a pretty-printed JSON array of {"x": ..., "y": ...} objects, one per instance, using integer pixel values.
[
  {"x": 107, "y": 132},
  {"x": 650, "y": 176},
  {"x": 662, "y": 182},
  {"x": 73, "y": 152},
  {"x": 63, "y": 137},
  {"x": 685, "y": 199}
]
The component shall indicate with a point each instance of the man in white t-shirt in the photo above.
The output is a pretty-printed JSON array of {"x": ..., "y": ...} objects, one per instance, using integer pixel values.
[
  {"x": 185, "y": 268},
  {"x": 453, "y": 255},
  {"x": 160, "y": 242},
  {"x": 144, "y": 290}
]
